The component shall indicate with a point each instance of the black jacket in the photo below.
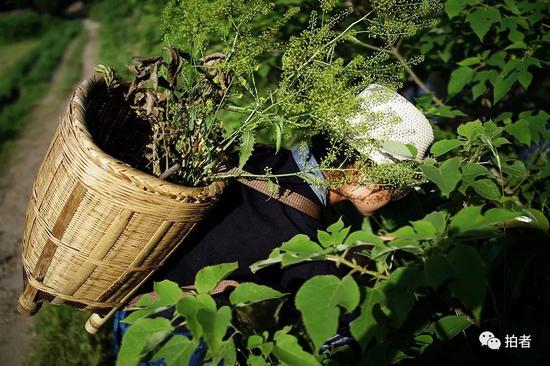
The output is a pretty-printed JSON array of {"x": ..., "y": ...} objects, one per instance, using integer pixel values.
[{"x": 245, "y": 226}]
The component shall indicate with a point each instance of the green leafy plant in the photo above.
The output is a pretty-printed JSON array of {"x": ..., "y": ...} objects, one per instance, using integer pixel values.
[{"x": 467, "y": 255}]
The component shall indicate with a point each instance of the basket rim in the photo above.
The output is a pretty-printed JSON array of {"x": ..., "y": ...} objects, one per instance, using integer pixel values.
[{"x": 124, "y": 170}]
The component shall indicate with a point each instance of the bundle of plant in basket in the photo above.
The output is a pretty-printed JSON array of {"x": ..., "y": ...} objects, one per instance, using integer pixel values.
[{"x": 185, "y": 143}]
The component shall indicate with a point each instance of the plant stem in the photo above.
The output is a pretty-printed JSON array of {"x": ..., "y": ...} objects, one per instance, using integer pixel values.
[{"x": 354, "y": 265}]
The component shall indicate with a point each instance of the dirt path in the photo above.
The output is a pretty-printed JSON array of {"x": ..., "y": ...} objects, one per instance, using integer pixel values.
[{"x": 15, "y": 191}]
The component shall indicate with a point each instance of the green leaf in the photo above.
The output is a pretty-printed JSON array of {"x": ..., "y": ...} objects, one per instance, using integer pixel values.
[
  {"x": 362, "y": 237},
  {"x": 486, "y": 188},
  {"x": 437, "y": 270},
  {"x": 249, "y": 292},
  {"x": 142, "y": 337},
  {"x": 214, "y": 326},
  {"x": 501, "y": 86},
  {"x": 209, "y": 277},
  {"x": 471, "y": 171},
  {"x": 278, "y": 137},
  {"x": 482, "y": 19},
  {"x": 446, "y": 177},
  {"x": 438, "y": 220},
  {"x": 520, "y": 130},
  {"x": 169, "y": 293},
  {"x": 301, "y": 243},
  {"x": 188, "y": 307},
  {"x": 470, "y": 130},
  {"x": 459, "y": 78},
  {"x": 366, "y": 325},
  {"x": 454, "y": 7},
  {"x": 538, "y": 219},
  {"x": 247, "y": 145},
  {"x": 515, "y": 168},
  {"x": 470, "y": 281},
  {"x": 443, "y": 146},
  {"x": 396, "y": 148},
  {"x": 467, "y": 219},
  {"x": 469, "y": 61},
  {"x": 177, "y": 351},
  {"x": 137, "y": 314},
  {"x": 449, "y": 326},
  {"x": 478, "y": 89},
  {"x": 424, "y": 229},
  {"x": 318, "y": 300},
  {"x": 289, "y": 352}
]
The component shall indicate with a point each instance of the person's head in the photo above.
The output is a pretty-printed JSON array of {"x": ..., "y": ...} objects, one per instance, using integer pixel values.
[{"x": 401, "y": 123}]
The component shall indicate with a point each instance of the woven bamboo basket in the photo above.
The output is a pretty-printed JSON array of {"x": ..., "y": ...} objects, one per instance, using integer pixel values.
[{"x": 97, "y": 228}]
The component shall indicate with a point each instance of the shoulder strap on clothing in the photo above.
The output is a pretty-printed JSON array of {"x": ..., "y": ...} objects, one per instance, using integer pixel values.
[{"x": 281, "y": 194}]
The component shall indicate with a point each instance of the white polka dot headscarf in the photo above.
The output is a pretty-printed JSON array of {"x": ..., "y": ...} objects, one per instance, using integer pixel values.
[{"x": 389, "y": 117}]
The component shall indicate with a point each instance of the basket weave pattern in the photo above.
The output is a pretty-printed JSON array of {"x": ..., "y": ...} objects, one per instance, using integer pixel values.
[{"x": 96, "y": 227}]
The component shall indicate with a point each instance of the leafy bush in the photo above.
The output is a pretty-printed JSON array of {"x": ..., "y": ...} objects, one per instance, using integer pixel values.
[
  {"x": 468, "y": 255},
  {"x": 58, "y": 339},
  {"x": 26, "y": 82},
  {"x": 22, "y": 25}
]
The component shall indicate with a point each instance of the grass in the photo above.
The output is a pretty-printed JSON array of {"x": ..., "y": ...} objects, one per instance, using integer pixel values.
[
  {"x": 11, "y": 53},
  {"x": 59, "y": 338},
  {"x": 127, "y": 29},
  {"x": 27, "y": 81},
  {"x": 73, "y": 67}
]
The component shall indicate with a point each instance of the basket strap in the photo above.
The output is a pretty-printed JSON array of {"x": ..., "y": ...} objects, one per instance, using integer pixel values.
[{"x": 281, "y": 194}]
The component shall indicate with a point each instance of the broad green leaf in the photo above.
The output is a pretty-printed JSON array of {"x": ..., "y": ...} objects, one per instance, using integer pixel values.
[
  {"x": 471, "y": 171},
  {"x": 538, "y": 219},
  {"x": 499, "y": 216},
  {"x": 142, "y": 337},
  {"x": 459, "y": 78},
  {"x": 446, "y": 177},
  {"x": 248, "y": 292},
  {"x": 470, "y": 281},
  {"x": 482, "y": 19},
  {"x": 399, "y": 291},
  {"x": 454, "y": 7},
  {"x": 467, "y": 219},
  {"x": 318, "y": 300},
  {"x": 437, "y": 270},
  {"x": 443, "y": 146},
  {"x": 362, "y": 237},
  {"x": 424, "y": 229},
  {"x": 177, "y": 351},
  {"x": 501, "y": 86},
  {"x": 247, "y": 145},
  {"x": 449, "y": 326},
  {"x": 214, "y": 326},
  {"x": 289, "y": 352},
  {"x": 497, "y": 59},
  {"x": 469, "y": 61},
  {"x": 486, "y": 188},
  {"x": 470, "y": 130},
  {"x": 515, "y": 168},
  {"x": 227, "y": 354},
  {"x": 301, "y": 243},
  {"x": 520, "y": 130},
  {"x": 479, "y": 89},
  {"x": 366, "y": 325},
  {"x": 188, "y": 308},
  {"x": 137, "y": 314},
  {"x": 168, "y": 292},
  {"x": 209, "y": 277},
  {"x": 438, "y": 220},
  {"x": 396, "y": 148}
]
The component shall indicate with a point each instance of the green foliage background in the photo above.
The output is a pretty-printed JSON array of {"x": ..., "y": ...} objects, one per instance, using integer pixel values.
[{"x": 468, "y": 254}]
